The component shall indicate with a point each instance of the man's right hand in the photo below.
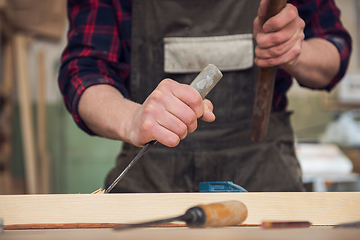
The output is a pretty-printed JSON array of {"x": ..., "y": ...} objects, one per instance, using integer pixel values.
[{"x": 168, "y": 114}]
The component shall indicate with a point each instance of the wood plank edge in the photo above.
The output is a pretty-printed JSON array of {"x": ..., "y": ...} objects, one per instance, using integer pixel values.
[{"x": 90, "y": 225}]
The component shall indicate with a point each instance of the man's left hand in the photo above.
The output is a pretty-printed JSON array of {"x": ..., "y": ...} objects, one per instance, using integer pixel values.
[{"x": 279, "y": 38}]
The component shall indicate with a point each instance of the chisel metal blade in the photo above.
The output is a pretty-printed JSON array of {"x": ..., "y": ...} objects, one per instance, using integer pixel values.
[{"x": 136, "y": 158}]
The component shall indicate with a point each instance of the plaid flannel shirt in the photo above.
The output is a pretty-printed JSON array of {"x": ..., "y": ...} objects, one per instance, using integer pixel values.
[{"x": 99, "y": 43}]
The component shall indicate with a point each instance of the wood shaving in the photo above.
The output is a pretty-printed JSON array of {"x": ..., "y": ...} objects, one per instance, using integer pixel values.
[{"x": 99, "y": 191}]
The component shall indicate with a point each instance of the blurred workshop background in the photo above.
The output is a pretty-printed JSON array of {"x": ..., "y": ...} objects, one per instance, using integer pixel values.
[{"x": 42, "y": 150}]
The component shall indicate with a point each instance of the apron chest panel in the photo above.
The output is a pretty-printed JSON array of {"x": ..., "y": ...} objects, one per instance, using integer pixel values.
[{"x": 228, "y": 53}]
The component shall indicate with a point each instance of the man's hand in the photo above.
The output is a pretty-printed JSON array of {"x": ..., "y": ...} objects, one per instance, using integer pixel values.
[
  {"x": 280, "y": 38},
  {"x": 313, "y": 62},
  {"x": 167, "y": 115}
]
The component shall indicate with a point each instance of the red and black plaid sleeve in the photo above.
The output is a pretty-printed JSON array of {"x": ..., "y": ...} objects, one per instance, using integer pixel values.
[
  {"x": 322, "y": 19},
  {"x": 98, "y": 50}
]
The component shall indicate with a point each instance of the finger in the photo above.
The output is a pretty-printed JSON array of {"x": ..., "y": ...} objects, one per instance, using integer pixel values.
[
  {"x": 178, "y": 117},
  {"x": 260, "y": 18},
  {"x": 156, "y": 126},
  {"x": 274, "y": 56},
  {"x": 274, "y": 51},
  {"x": 285, "y": 17},
  {"x": 173, "y": 124},
  {"x": 289, "y": 56},
  {"x": 166, "y": 137},
  {"x": 208, "y": 115},
  {"x": 182, "y": 112},
  {"x": 262, "y": 11},
  {"x": 170, "y": 112},
  {"x": 181, "y": 100},
  {"x": 292, "y": 32},
  {"x": 190, "y": 97},
  {"x": 257, "y": 27}
]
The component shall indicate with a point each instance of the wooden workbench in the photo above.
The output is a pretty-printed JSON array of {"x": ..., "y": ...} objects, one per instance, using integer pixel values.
[
  {"x": 234, "y": 233},
  {"x": 91, "y": 212}
]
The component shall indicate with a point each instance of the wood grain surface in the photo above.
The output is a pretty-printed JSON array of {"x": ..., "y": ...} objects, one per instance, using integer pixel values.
[{"x": 318, "y": 208}]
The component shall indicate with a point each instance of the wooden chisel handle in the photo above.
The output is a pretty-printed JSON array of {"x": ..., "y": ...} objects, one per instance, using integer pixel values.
[
  {"x": 227, "y": 213},
  {"x": 220, "y": 214},
  {"x": 265, "y": 87}
]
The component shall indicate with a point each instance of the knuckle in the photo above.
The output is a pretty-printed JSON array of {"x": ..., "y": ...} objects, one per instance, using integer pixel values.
[
  {"x": 293, "y": 12},
  {"x": 270, "y": 62},
  {"x": 147, "y": 126},
  {"x": 275, "y": 51},
  {"x": 297, "y": 50},
  {"x": 166, "y": 83},
  {"x": 195, "y": 102},
  {"x": 195, "y": 97},
  {"x": 157, "y": 95},
  {"x": 149, "y": 109},
  {"x": 274, "y": 23},
  {"x": 189, "y": 119},
  {"x": 301, "y": 36},
  {"x": 301, "y": 23}
]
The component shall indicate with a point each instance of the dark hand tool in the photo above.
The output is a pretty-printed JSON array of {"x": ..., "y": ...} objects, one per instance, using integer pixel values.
[
  {"x": 228, "y": 213},
  {"x": 203, "y": 83},
  {"x": 265, "y": 87}
]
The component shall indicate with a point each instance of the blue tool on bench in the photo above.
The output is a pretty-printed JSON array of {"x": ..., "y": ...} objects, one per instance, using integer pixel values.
[{"x": 220, "y": 187}]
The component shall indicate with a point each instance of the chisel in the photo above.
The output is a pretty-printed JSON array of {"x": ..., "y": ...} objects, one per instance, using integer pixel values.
[
  {"x": 227, "y": 213},
  {"x": 203, "y": 83}
]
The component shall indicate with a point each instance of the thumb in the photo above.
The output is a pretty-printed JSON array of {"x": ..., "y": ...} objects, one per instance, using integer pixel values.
[{"x": 262, "y": 11}]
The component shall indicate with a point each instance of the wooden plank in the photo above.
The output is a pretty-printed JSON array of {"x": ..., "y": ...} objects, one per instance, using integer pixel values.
[
  {"x": 318, "y": 208},
  {"x": 318, "y": 233},
  {"x": 41, "y": 125},
  {"x": 21, "y": 67}
]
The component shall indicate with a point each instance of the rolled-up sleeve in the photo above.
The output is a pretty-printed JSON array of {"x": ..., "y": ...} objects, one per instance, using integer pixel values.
[
  {"x": 98, "y": 51},
  {"x": 322, "y": 19}
]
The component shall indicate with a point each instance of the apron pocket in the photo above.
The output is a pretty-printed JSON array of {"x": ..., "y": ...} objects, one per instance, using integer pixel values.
[{"x": 192, "y": 54}]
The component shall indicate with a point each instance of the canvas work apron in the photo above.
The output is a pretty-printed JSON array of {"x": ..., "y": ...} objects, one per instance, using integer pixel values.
[{"x": 176, "y": 39}]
